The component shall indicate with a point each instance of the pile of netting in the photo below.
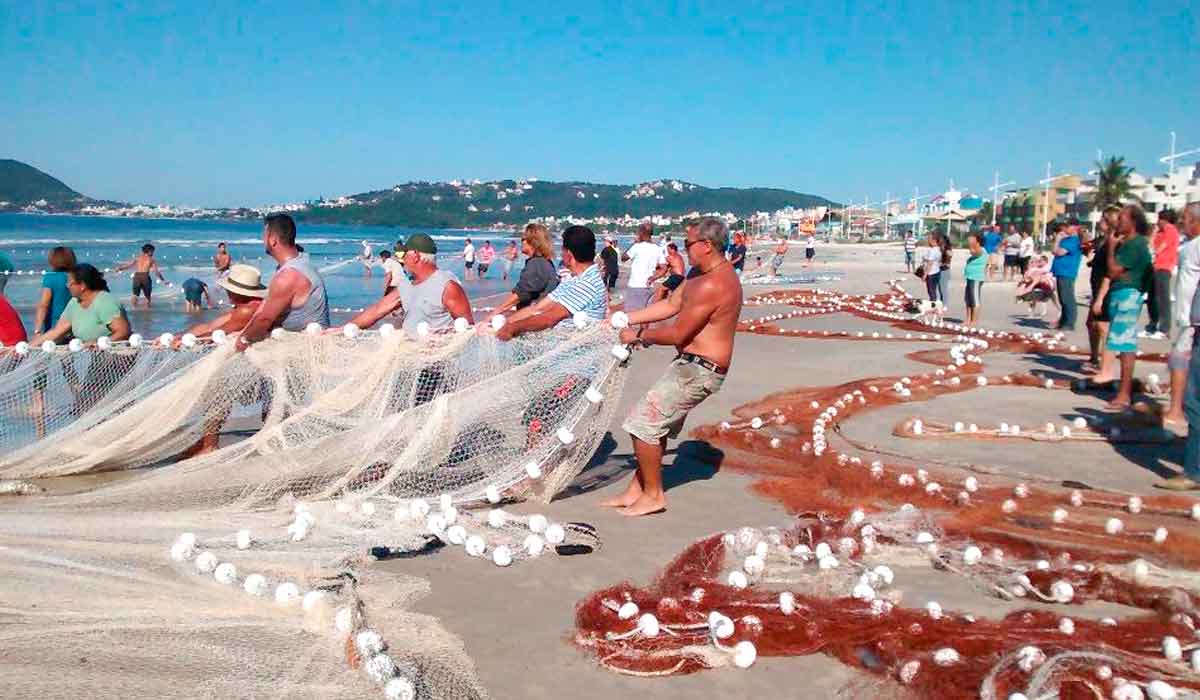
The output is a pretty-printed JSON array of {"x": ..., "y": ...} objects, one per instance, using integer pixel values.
[
  {"x": 248, "y": 571},
  {"x": 45, "y": 390},
  {"x": 343, "y": 415},
  {"x": 826, "y": 583}
]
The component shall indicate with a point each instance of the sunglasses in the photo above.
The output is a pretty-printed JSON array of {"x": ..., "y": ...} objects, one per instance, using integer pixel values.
[{"x": 687, "y": 245}]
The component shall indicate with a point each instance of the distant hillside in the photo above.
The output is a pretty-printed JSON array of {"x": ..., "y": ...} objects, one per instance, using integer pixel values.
[
  {"x": 23, "y": 185},
  {"x": 441, "y": 204},
  {"x": 436, "y": 204}
]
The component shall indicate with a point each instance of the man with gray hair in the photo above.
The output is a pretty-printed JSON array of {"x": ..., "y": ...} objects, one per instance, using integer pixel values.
[
  {"x": 434, "y": 297},
  {"x": 705, "y": 309},
  {"x": 1184, "y": 357}
]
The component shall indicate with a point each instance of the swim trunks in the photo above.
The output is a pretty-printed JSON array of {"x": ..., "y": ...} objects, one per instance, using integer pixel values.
[
  {"x": 142, "y": 284},
  {"x": 661, "y": 412}
]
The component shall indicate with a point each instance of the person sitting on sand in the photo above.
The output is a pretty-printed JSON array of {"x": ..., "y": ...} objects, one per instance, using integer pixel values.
[
  {"x": 194, "y": 292},
  {"x": 244, "y": 287},
  {"x": 582, "y": 293},
  {"x": 705, "y": 310},
  {"x": 1037, "y": 286},
  {"x": 296, "y": 296},
  {"x": 433, "y": 297},
  {"x": 145, "y": 264}
]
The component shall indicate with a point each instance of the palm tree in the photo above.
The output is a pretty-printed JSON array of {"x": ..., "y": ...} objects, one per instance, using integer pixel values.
[{"x": 1113, "y": 184}]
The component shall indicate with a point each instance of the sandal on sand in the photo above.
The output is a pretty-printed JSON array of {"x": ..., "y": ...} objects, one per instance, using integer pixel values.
[
  {"x": 1175, "y": 427},
  {"x": 1177, "y": 483}
]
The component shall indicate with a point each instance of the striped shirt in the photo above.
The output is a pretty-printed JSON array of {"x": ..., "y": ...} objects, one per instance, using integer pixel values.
[
  {"x": 910, "y": 244},
  {"x": 584, "y": 293}
]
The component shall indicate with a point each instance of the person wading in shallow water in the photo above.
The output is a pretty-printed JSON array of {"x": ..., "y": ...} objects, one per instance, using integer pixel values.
[
  {"x": 142, "y": 284},
  {"x": 705, "y": 310}
]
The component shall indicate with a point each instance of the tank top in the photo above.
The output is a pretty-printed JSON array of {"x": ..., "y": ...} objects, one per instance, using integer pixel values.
[
  {"x": 315, "y": 307},
  {"x": 423, "y": 302}
]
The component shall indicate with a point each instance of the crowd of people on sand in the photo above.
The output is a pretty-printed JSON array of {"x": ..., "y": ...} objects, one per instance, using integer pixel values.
[
  {"x": 693, "y": 309},
  {"x": 1132, "y": 263}
]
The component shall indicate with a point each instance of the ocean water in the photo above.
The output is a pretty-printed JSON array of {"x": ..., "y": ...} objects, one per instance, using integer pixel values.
[{"x": 185, "y": 249}]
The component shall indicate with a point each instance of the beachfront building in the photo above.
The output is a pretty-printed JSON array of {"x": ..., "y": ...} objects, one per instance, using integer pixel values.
[
  {"x": 1034, "y": 208},
  {"x": 1170, "y": 191}
]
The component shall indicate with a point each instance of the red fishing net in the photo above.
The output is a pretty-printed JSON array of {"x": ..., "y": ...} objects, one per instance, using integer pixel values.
[{"x": 824, "y": 584}]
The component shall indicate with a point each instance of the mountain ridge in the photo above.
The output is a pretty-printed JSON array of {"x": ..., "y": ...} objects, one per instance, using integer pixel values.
[{"x": 452, "y": 204}]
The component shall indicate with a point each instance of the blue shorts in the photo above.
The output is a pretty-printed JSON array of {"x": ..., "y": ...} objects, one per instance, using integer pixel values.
[{"x": 1124, "y": 307}]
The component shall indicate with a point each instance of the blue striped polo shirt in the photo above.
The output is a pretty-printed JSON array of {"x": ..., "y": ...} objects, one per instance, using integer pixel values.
[{"x": 584, "y": 293}]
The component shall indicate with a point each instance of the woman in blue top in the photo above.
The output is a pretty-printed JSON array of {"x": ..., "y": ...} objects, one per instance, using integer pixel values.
[{"x": 55, "y": 294}]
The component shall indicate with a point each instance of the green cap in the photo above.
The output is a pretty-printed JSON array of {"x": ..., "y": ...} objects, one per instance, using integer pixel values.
[{"x": 419, "y": 242}]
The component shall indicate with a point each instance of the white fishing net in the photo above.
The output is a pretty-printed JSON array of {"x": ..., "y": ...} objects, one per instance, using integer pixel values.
[{"x": 248, "y": 572}]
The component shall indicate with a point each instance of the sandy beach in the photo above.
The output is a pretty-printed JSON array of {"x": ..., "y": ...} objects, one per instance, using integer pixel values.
[{"x": 517, "y": 624}]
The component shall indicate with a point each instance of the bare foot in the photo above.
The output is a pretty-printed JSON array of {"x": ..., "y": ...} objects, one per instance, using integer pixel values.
[
  {"x": 645, "y": 505},
  {"x": 628, "y": 498},
  {"x": 1101, "y": 379},
  {"x": 1118, "y": 404}
]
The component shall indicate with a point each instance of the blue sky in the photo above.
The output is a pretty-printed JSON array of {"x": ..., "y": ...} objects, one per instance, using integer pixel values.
[{"x": 230, "y": 103}]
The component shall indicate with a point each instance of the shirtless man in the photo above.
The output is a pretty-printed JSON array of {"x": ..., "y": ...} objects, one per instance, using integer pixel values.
[
  {"x": 296, "y": 296},
  {"x": 144, "y": 264},
  {"x": 705, "y": 309},
  {"x": 777, "y": 260},
  {"x": 222, "y": 260},
  {"x": 675, "y": 272}
]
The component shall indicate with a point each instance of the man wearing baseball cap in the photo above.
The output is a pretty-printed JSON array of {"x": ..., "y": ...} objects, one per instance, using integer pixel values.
[{"x": 433, "y": 297}]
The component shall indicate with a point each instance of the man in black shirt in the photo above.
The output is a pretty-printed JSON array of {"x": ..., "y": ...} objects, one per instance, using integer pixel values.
[{"x": 610, "y": 257}]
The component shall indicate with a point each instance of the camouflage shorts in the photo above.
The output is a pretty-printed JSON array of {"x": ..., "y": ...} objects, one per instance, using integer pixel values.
[{"x": 661, "y": 412}]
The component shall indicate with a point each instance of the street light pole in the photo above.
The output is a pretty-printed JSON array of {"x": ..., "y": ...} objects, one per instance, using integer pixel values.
[
  {"x": 995, "y": 188},
  {"x": 1046, "y": 205}
]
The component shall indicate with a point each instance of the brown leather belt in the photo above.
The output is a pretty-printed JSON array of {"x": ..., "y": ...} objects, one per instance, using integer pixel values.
[{"x": 706, "y": 364}]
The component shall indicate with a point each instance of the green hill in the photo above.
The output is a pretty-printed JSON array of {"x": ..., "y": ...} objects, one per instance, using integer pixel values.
[
  {"x": 23, "y": 185},
  {"x": 441, "y": 204}
]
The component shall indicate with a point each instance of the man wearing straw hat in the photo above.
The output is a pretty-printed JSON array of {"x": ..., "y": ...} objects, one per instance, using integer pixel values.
[{"x": 246, "y": 292}]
